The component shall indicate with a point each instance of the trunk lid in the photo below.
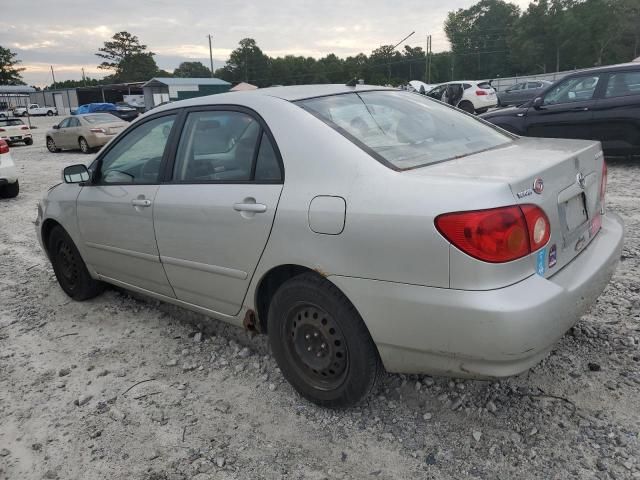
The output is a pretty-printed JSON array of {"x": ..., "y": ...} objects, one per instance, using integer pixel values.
[{"x": 570, "y": 174}]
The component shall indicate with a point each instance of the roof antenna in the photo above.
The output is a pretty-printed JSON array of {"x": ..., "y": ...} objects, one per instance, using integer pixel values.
[{"x": 352, "y": 83}]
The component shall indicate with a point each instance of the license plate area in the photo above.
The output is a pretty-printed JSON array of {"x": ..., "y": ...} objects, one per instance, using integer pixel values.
[{"x": 575, "y": 210}]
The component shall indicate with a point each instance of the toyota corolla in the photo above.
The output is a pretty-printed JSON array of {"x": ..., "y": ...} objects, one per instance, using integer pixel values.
[{"x": 360, "y": 228}]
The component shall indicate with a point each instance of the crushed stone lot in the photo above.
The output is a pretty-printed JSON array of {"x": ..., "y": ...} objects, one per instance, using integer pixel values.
[{"x": 125, "y": 387}]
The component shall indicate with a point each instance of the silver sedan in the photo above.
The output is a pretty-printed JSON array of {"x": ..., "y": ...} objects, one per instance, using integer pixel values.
[
  {"x": 84, "y": 132},
  {"x": 360, "y": 228}
]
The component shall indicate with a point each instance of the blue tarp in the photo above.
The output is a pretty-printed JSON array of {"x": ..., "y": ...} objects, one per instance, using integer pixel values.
[{"x": 95, "y": 107}]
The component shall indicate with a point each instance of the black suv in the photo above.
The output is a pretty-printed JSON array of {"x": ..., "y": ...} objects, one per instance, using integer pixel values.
[{"x": 596, "y": 104}]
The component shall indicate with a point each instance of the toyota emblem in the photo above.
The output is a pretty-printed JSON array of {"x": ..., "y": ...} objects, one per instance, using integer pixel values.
[{"x": 581, "y": 180}]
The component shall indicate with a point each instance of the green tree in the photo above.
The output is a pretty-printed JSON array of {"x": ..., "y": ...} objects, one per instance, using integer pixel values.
[
  {"x": 9, "y": 69},
  {"x": 138, "y": 67},
  {"x": 479, "y": 38},
  {"x": 122, "y": 53},
  {"x": 192, "y": 70},
  {"x": 247, "y": 63}
]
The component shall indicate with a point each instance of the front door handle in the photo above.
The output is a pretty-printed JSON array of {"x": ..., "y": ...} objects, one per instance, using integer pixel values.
[
  {"x": 141, "y": 202},
  {"x": 580, "y": 109},
  {"x": 250, "y": 207}
]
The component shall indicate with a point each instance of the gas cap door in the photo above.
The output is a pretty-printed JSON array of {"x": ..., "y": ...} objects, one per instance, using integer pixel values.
[{"x": 327, "y": 214}]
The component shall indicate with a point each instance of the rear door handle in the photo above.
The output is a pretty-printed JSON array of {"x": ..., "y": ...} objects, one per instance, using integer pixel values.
[
  {"x": 141, "y": 202},
  {"x": 250, "y": 207},
  {"x": 580, "y": 109}
]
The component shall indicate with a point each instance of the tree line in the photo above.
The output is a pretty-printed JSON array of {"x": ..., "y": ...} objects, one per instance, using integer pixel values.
[{"x": 490, "y": 39}]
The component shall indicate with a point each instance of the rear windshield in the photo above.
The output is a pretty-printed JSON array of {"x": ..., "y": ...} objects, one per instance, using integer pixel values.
[
  {"x": 485, "y": 85},
  {"x": 101, "y": 118},
  {"x": 404, "y": 130},
  {"x": 11, "y": 122}
]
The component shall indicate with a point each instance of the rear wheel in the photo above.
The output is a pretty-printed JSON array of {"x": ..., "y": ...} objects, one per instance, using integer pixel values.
[
  {"x": 28, "y": 141},
  {"x": 84, "y": 145},
  {"x": 70, "y": 269},
  {"x": 10, "y": 190},
  {"x": 51, "y": 145},
  {"x": 321, "y": 344},
  {"x": 49, "y": 113},
  {"x": 467, "y": 106}
]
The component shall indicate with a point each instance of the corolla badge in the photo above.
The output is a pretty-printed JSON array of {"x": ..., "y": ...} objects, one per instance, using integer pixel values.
[
  {"x": 538, "y": 185},
  {"x": 581, "y": 180}
]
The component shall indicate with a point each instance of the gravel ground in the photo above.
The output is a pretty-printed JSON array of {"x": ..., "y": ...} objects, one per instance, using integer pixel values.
[{"x": 125, "y": 387}]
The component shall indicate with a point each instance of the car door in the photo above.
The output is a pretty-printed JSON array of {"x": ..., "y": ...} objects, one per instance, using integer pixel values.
[
  {"x": 59, "y": 134},
  {"x": 213, "y": 219},
  {"x": 566, "y": 109},
  {"x": 115, "y": 212},
  {"x": 616, "y": 116},
  {"x": 72, "y": 133},
  {"x": 510, "y": 96}
]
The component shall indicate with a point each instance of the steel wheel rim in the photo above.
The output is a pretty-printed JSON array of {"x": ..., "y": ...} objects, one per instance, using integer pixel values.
[
  {"x": 316, "y": 347},
  {"x": 68, "y": 264}
]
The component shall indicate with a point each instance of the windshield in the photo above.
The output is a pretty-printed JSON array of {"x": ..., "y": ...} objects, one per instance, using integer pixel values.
[
  {"x": 101, "y": 118},
  {"x": 11, "y": 122},
  {"x": 404, "y": 130}
]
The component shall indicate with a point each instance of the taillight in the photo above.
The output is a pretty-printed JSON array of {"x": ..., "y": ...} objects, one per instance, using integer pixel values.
[
  {"x": 481, "y": 92},
  {"x": 97, "y": 130},
  {"x": 603, "y": 184},
  {"x": 496, "y": 235},
  {"x": 2, "y": 130},
  {"x": 4, "y": 147}
]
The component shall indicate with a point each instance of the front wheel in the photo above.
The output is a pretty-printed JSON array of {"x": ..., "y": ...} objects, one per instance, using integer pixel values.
[
  {"x": 51, "y": 145},
  {"x": 70, "y": 269},
  {"x": 321, "y": 344},
  {"x": 10, "y": 190},
  {"x": 49, "y": 113},
  {"x": 84, "y": 145}
]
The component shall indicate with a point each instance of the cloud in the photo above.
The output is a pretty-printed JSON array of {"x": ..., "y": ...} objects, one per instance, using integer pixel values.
[{"x": 67, "y": 37}]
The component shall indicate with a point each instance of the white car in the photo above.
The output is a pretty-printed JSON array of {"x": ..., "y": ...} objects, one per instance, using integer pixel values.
[
  {"x": 9, "y": 186},
  {"x": 467, "y": 95},
  {"x": 14, "y": 130},
  {"x": 34, "y": 109},
  {"x": 421, "y": 87}
]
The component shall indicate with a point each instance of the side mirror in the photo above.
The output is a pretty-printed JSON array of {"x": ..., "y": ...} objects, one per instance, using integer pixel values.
[
  {"x": 537, "y": 102},
  {"x": 56, "y": 127},
  {"x": 75, "y": 174}
]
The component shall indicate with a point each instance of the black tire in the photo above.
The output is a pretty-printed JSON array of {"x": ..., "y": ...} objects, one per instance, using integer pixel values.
[
  {"x": 28, "y": 141},
  {"x": 10, "y": 190},
  {"x": 51, "y": 145},
  {"x": 70, "y": 269},
  {"x": 84, "y": 145},
  {"x": 321, "y": 344},
  {"x": 49, "y": 113},
  {"x": 467, "y": 106}
]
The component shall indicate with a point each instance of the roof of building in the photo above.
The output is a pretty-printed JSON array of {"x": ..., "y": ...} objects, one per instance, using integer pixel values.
[
  {"x": 16, "y": 89},
  {"x": 184, "y": 81},
  {"x": 243, "y": 86}
]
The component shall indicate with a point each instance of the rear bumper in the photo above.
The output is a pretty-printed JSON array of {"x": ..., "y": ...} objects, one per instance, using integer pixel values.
[
  {"x": 8, "y": 174},
  {"x": 483, "y": 334}
]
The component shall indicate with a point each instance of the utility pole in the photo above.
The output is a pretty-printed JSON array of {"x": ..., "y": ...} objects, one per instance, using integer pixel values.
[
  {"x": 210, "y": 55},
  {"x": 427, "y": 69},
  {"x": 84, "y": 78},
  {"x": 54, "y": 78}
]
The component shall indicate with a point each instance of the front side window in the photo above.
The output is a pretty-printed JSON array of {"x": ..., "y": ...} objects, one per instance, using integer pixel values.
[
  {"x": 137, "y": 156},
  {"x": 64, "y": 123},
  {"x": 572, "y": 90},
  {"x": 74, "y": 122},
  {"x": 622, "y": 84},
  {"x": 217, "y": 146},
  {"x": 403, "y": 129}
]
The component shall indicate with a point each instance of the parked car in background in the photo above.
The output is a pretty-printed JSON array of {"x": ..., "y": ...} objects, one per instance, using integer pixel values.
[
  {"x": 421, "y": 87},
  {"x": 9, "y": 186},
  {"x": 521, "y": 92},
  {"x": 34, "y": 110},
  {"x": 389, "y": 230},
  {"x": 596, "y": 104},
  {"x": 84, "y": 132},
  {"x": 14, "y": 130},
  {"x": 123, "y": 112},
  {"x": 470, "y": 96}
]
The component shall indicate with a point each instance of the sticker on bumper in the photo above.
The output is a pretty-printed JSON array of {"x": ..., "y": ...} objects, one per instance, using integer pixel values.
[
  {"x": 542, "y": 261},
  {"x": 553, "y": 256}
]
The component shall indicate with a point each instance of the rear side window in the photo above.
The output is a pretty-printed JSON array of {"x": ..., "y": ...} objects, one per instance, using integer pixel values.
[
  {"x": 267, "y": 165},
  {"x": 217, "y": 146},
  {"x": 466, "y": 85},
  {"x": 404, "y": 130},
  {"x": 622, "y": 84}
]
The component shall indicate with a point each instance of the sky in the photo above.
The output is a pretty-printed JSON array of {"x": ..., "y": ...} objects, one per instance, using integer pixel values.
[{"x": 66, "y": 34}]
